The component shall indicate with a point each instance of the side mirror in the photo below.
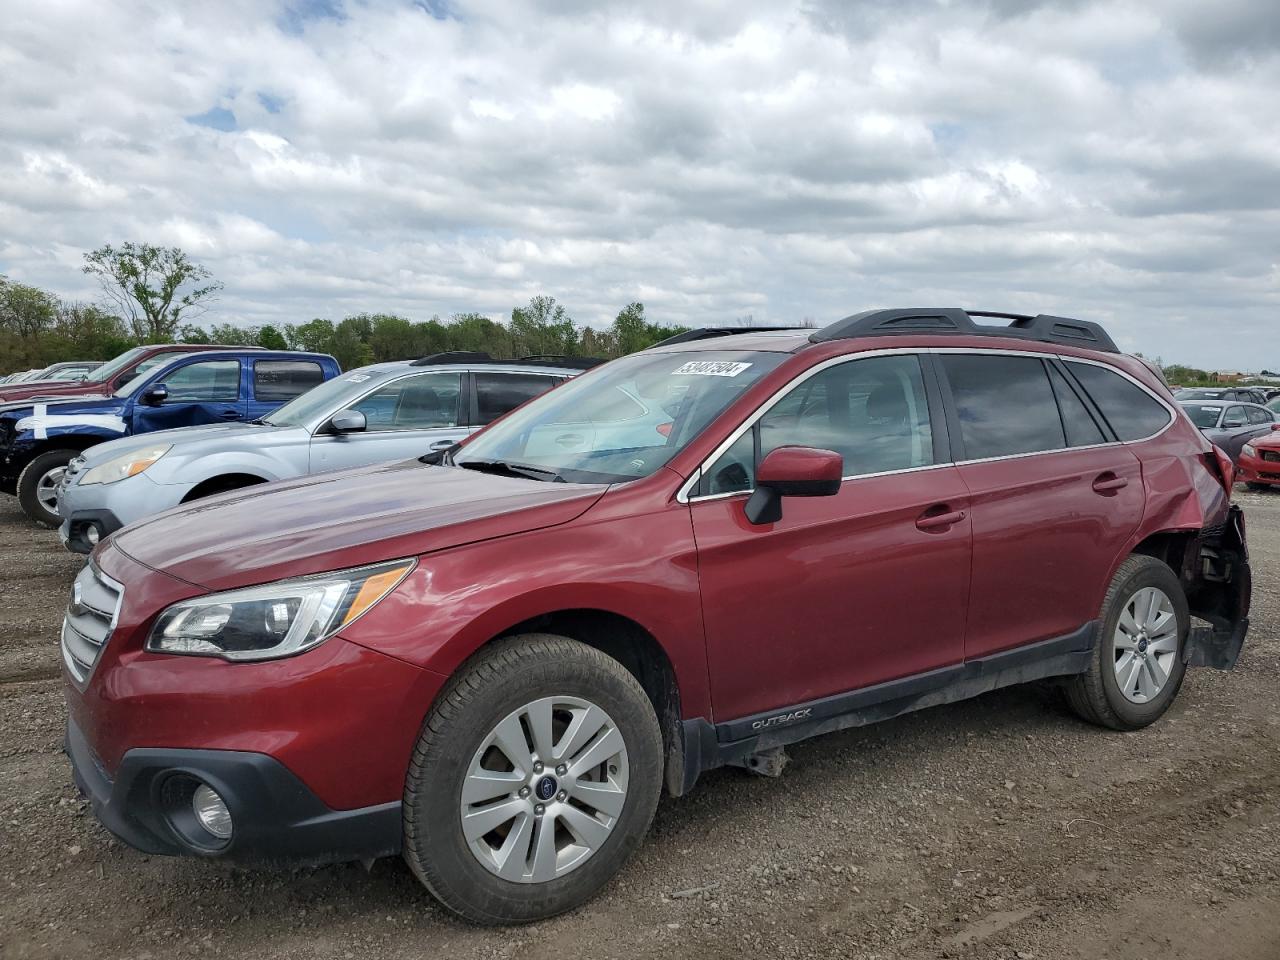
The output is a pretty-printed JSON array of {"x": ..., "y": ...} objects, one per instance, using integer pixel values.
[
  {"x": 155, "y": 395},
  {"x": 1232, "y": 424},
  {"x": 1275, "y": 427},
  {"x": 348, "y": 421},
  {"x": 793, "y": 472}
]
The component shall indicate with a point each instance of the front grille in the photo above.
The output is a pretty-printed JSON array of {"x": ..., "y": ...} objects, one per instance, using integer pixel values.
[
  {"x": 90, "y": 620},
  {"x": 69, "y": 475},
  {"x": 1272, "y": 456}
]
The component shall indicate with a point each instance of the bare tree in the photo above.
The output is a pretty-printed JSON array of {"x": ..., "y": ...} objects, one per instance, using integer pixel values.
[{"x": 154, "y": 287}]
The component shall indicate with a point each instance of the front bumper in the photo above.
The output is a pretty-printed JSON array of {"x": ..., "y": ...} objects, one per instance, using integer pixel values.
[
  {"x": 275, "y": 818},
  {"x": 107, "y": 506},
  {"x": 1257, "y": 470}
]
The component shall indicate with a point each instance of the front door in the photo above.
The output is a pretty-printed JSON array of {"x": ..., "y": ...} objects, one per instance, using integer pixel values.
[
  {"x": 203, "y": 391},
  {"x": 845, "y": 591},
  {"x": 405, "y": 418}
]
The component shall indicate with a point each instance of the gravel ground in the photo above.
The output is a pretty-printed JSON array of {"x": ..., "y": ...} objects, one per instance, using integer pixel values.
[{"x": 1000, "y": 827}]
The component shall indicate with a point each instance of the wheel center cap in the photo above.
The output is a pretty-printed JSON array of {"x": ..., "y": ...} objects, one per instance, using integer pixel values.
[
  {"x": 546, "y": 788},
  {"x": 1142, "y": 646}
]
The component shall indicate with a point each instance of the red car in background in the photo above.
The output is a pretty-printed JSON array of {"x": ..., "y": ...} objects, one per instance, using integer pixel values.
[
  {"x": 1259, "y": 463},
  {"x": 683, "y": 559},
  {"x": 109, "y": 377}
]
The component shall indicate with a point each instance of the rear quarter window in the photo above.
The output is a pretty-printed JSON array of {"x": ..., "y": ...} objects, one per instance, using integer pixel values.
[{"x": 1133, "y": 413}]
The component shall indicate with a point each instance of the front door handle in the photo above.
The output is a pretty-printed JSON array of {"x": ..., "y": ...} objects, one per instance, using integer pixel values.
[
  {"x": 930, "y": 520},
  {"x": 230, "y": 414},
  {"x": 1109, "y": 483}
]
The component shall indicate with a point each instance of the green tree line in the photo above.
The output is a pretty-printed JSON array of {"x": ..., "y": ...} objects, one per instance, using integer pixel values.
[{"x": 38, "y": 328}]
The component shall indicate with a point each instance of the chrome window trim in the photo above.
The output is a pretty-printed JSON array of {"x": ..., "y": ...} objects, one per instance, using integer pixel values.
[
  {"x": 683, "y": 495},
  {"x": 314, "y": 431}
]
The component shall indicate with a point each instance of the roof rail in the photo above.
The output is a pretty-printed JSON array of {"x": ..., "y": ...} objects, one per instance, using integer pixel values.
[
  {"x": 452, "y": 356},
  {"x": 479, "y": 356},
  {"x": 708, "y": 333},
  {"x": 953, "y": 320},
  {"x": 559, "y": 360}
]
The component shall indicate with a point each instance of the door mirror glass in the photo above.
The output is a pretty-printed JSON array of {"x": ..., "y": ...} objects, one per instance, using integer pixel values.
[
  {"x": 155, "y": 395},
  {"x": 349, "y": 421},
  {"x": 793, "y": 472}
]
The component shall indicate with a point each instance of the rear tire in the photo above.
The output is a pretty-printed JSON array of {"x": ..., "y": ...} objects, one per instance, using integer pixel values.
[
  {"x": 553, "y": 748},
  {"x": 1137, "y": 665},
  {"x": 36, "y": 485},
  {"x": 1258, "y": 487}
]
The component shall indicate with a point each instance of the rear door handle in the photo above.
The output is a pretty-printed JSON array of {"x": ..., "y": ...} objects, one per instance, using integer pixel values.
[
  {"x": 1109, "y": 483},
  {"x": 936, "y": 521},
  {"x": 442, "y": 444},
  {"x": 230, "y": 414}
]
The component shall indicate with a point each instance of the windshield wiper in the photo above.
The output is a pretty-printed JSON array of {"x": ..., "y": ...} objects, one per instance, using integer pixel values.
[{"x": 511, "y": 469}]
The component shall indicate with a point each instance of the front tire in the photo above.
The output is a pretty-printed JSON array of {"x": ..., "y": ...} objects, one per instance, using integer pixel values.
[
  {"x": 37, "y": 486},
  {"x": 1137, "y": 666},
  {"x": 535, "y": 777}
]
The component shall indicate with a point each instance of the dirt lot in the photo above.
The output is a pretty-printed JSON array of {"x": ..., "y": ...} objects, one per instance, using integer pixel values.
[{"x": 1001, "y": 827}]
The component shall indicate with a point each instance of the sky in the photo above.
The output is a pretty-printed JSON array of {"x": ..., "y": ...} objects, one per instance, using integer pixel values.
[{"x": 717, "y": 161}]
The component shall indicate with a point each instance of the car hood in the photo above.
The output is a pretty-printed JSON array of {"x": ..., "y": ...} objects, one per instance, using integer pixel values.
[
  {"x": 60, "y": 411},
  {"x": 233, "y": 434},
  {"x": 49, "y": 388},
  {"x": 348, "y": 519}
]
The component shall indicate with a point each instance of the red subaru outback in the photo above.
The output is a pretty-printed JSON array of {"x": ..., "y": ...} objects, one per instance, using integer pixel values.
[{"x": 684, "y": 559}]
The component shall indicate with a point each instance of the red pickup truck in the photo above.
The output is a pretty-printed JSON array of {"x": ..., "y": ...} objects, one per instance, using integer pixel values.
[{"x": 109, "y": 377}]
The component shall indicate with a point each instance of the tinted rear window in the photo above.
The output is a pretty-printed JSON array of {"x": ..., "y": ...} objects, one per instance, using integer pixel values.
[
  {"x": 280, "y": 380},
  {"x": 1005, "y": 404},
  {"x": 1132, "y": 412},
  {"x": 499, "y": 393}
]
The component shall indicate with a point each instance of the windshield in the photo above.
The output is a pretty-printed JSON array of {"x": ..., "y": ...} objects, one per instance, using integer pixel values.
[
  {"x": 1203, "y": 417},
  {"x": 621, "y": 421},
  {"x": 332, "y": 395},
  {"x": 112, "y": 367},
  {"x": 145, "y": 369}
]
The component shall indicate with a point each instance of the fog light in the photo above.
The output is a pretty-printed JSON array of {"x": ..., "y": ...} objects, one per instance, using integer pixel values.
[
  {"x": 212, "y": 812},
  {"x": 91, "y": 534}
]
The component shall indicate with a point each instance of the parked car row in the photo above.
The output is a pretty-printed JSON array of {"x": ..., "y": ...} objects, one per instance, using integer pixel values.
[{"x": 490, "y": 658}]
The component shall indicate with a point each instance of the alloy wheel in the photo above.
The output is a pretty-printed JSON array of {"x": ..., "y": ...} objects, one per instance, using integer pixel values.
[
  {"x": 1145, "y": 644},
  {"x": 544, "y": 790}
]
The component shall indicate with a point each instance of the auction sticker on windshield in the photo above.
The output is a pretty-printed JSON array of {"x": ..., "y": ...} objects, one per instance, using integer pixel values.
[{"x": 710, "y": 368}]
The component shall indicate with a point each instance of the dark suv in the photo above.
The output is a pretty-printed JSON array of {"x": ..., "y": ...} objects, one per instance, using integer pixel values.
[{"x": 684, "y": 559}]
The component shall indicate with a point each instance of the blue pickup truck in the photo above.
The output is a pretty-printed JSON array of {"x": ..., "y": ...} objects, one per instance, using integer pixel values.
[{"x": 39, "y": 438}]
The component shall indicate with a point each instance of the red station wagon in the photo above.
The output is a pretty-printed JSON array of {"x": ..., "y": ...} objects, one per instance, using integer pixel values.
[{"x": 684, "y": 559}]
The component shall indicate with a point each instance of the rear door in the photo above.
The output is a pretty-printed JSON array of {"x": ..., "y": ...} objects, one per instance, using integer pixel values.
[
  {"x": 405, "y": 418},
  {"x": 273, "y": 383},
  {"x": 1054, "y": 497},
  {"x": 200, "y": 392}
]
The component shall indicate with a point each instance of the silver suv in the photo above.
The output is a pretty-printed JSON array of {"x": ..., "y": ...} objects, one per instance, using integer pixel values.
[{"x": 387, "y": 411}]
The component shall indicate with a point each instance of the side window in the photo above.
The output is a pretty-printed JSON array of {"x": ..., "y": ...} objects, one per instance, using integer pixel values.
[
  {"x": 1082, "y": 430},
  {"x": 413, "y": 403},
  {"x": 1132, "y": 412},
  {"x": 873, "y": 412},
  {"x": 213, "y": 380},
  {"x": 276, "y": 381},
  {"x": 1005, "y": 404},
  {"x": 499, "y": 393},
  {"x": 1234, "y": 417},
  {"x": 1258, "y": 415}
]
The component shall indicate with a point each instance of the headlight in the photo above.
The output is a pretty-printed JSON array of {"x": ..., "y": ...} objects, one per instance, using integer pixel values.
[
  {"x": 1249, "y": 450},
  {"x": 276, "y": 619},
  {"x": 126, "y": 465}
]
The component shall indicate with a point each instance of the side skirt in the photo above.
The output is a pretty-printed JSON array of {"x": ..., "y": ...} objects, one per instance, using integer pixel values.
[{"x": 707, "y": 745}]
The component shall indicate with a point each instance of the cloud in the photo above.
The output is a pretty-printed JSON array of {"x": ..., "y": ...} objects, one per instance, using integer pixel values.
[{"x": 1116, "y": 161}]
